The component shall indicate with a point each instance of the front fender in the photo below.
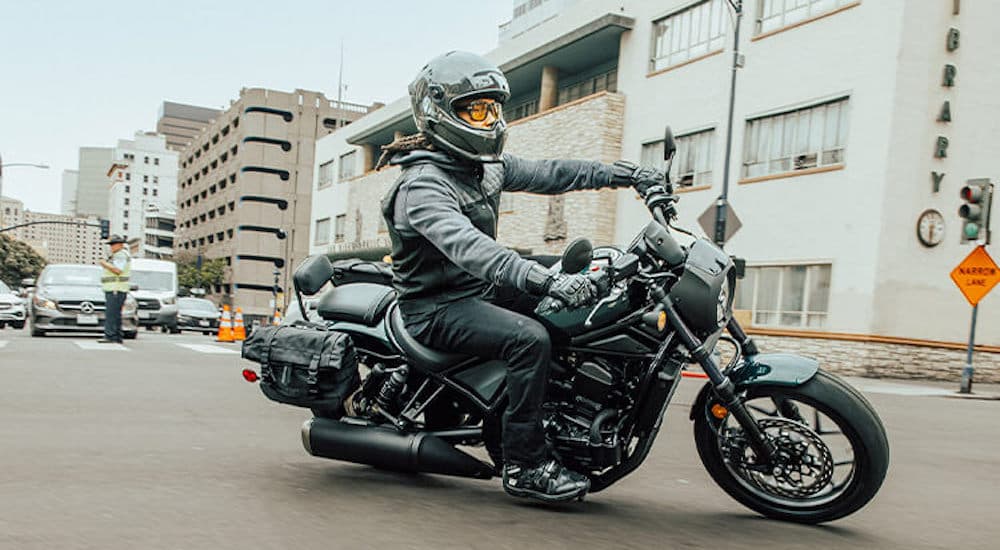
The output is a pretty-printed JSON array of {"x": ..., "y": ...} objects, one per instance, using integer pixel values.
[{"x": 772, "y": 369}]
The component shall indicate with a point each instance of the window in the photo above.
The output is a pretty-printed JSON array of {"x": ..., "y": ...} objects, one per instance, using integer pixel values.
[
  {"x": 325, "y": 174},
  {"x": 145, "y": 160},
  {"x": 322, "y": 231},
  {"x": 145, "y": 191},
  {"x": 797, "y": 140},
  {"x": 506, "y": 202},
  {"x": 125, "y": 226},
  {"x": 156, "y": 179},
  {"x": 347, "y": 168},
  {"x": 604, "y": 81},
  {"x": 156, "y": 161},
  {"x": 126, "y": 201},
  {"x": 786, "y": 296},
  {"x": 145, "y": 179},
  {"x": 128, "y": 188},
  {"x": 692, "y": 164},
  {"x": 155, "y": 192},
  {"x": 774, "y": 14},
  {"x": 688, "y": 34},
  {"x": 128, "y": 176},
  {"x": 125, "y": 213},
  {"x": 521, "y": 110},
  {"x": 340, "y": 223}
]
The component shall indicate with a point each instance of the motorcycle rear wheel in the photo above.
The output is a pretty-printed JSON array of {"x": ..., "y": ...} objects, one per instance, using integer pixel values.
[{"x": 786, "y": 493}]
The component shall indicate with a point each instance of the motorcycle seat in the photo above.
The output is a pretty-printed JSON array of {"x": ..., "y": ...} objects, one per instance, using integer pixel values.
[
  {"x": 363, "y": 303},
  {"x": 422, "y": 357}
]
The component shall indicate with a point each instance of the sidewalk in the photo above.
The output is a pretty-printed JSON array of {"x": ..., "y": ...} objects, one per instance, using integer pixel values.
[{"x": 923, "y": 388}]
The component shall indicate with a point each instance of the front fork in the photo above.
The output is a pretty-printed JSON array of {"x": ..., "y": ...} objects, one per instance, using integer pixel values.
[{"x": 723, "y": 386}]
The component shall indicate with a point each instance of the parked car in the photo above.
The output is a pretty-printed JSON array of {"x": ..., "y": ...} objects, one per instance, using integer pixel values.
[
  {"x": 156, "y": 294},
  {"x": 197, "y": 314},
  {"x": 69, "y": 298},
  {"x": 11, "y": 308}
]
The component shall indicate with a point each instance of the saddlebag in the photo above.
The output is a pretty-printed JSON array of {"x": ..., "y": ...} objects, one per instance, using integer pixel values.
[{"x": 305, "y": 365}]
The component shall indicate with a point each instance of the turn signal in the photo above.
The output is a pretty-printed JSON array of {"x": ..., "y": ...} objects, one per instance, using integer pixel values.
[
  {"x": 250, "y": 375},
  {"x": 661, "y": 321},
  {"x": 718, "y": 411}
]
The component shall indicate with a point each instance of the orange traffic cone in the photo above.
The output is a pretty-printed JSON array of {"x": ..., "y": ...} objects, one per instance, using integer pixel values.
[
  {"x": 239, "y": 331},
  {"x": 277, "y": 318},
  {"x": 225, "y": 326}
]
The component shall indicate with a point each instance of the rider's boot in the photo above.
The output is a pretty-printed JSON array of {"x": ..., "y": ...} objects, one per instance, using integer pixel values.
[{"x": 548, "y": 481}]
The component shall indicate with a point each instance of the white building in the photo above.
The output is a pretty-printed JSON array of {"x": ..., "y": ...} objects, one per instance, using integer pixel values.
[
  {"x": 70, "y": 181},
  {"x": 143, "y": 173},
  {"x": 60, "y": 239},
  {"x": 852, "y": 119},
  {"x": 158, "y": 232}
]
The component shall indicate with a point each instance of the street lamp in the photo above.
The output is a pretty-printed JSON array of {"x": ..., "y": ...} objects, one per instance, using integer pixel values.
[
  {"x": 722, "y": 203},
  {"x": 13, "y": 164}
]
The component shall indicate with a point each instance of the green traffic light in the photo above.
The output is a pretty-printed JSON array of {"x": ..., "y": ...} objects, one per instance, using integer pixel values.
[{"x": 971, "y": 231}]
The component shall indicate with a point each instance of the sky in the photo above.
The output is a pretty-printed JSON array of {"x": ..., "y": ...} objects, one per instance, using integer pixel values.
[{"x": 90, "y": 73}]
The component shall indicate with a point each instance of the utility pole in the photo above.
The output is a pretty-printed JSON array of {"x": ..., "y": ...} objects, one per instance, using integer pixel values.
[{"x": 722, "y": 203}]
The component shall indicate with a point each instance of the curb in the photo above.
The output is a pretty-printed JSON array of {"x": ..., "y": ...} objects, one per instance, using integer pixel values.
[{"x": 973, "y": 396}]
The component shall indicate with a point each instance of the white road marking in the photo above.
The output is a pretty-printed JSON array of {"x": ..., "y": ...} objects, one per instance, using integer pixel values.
[
  {"x": 208, "y": 348},
  {"x": 94, "y": 345},
  {"x": 3, "y": 343}
]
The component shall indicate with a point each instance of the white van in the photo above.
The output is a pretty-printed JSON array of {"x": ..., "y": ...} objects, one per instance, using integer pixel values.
[{"x": 157, "y": 292}]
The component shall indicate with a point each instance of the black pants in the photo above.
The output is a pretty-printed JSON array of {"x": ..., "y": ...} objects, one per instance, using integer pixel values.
[
  {"x": 493, "y": 331},
  {"x": 113, "y": 302}
]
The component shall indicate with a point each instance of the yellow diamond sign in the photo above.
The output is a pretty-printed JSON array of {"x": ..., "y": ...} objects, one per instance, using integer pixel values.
[{"x": 976, "y": 275}]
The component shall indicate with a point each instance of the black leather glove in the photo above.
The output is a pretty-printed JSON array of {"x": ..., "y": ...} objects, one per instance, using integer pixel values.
[
  {"x": 630, "y": 174},
  {"x": 573, "y": 289}
]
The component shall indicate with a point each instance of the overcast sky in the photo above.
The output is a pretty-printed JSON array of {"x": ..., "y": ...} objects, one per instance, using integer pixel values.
[{"x": 87, "y": 73}]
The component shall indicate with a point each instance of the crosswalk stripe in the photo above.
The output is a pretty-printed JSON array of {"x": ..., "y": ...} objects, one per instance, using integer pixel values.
[
  {"x": 3, "y": 343},
  {"x": 93, "y": 345},
  {"x": 208, "y": 348}
]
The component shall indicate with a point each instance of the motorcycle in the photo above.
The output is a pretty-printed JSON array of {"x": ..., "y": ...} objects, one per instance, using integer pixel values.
[{"x": 774, "y": 431}]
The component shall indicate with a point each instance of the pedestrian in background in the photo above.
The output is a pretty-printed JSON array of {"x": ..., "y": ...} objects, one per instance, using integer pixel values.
[{"x": 115, "y": 283}]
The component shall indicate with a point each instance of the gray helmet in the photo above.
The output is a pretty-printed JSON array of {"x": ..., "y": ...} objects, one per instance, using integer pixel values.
[{"x": 449, "y": 78}]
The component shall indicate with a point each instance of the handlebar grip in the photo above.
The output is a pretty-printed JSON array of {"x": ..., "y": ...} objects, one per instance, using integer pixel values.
[{"x": 549, "y": 305}]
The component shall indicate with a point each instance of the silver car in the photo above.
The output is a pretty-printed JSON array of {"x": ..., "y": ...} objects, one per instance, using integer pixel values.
[
  {"x": 12, "y": 310},
  {"x": 68, "y": 298}
]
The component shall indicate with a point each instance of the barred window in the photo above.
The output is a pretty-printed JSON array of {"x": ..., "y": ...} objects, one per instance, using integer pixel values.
[
  {"x": 607, "y": 81},
  {"x": 796, "y": 140},
  {"x": 693, "y": 161},
  {"x": 322, "y": 235},
  {"x": 688, "y": 34},
  {"x": 774, "y": 14},
  {"x": 340, "y": 226},
  {"x": 796, "y": 296},
  {"x": 325, "y": 174},
  {"x": 347, "y": 166}
]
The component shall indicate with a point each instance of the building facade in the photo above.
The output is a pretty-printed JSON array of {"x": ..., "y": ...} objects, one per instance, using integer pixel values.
[
  {"x": 142, "y": 174},
  {"x": 245, "y": 188},
  {"x": 852, "y": 119},
  {"x": 92, "y": 189},
  {"x": 69, "y": 184},
  {"x": 180, "y": 123},
  {"x": 158, "y": 232},
  {"x": 71, "y": 240}
]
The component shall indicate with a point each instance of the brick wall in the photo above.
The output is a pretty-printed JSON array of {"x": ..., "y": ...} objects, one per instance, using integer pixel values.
[{"x": 878, "y": 360}]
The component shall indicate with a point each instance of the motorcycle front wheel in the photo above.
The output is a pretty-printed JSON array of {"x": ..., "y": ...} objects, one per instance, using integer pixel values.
[{"x": 832, "y": 450}]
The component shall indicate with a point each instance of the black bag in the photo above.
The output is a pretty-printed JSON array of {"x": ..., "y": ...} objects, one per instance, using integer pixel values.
[{"x": 305, "y": 365}]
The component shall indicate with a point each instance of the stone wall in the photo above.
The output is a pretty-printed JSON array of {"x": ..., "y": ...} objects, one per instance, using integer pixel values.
[
  {"x": 880, "y": 360},
  {"x": 589, "y": 128}
]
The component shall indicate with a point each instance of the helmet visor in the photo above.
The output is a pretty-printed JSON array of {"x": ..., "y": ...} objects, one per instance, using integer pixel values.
[{"x": 479, "y": 113}]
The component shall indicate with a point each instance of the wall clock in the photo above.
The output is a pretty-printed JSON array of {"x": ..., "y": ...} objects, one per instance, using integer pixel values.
[{"x": 930, "y": 228}]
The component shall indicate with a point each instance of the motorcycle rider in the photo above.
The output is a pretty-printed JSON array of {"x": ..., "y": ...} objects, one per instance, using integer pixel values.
[{"x": 447, "y": 266}]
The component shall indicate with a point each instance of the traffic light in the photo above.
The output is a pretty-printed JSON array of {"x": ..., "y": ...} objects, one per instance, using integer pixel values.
[
  {"x": 975, "y": 213},
  {"x": 105, "y": 229}
]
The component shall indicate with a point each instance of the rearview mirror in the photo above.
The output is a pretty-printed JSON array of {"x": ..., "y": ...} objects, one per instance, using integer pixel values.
[
  {"x": 669, "y": 146},
  {"x": 577, "y": 256},
  {"x": 312, "y": 274}
]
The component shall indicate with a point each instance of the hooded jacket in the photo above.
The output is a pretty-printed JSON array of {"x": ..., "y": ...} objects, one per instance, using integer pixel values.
[{"x": 442, "y": 214}]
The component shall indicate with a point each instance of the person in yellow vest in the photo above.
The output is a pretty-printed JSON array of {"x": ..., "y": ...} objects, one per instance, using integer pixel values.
[{"x": 115, "y": 282}]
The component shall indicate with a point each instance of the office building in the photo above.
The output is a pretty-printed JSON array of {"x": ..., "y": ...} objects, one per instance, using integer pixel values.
[
  {"x": 855, "y": 125},
  {"x": 180, "y": 122},
  {"x": 143, "y": 173},
  {"x": 68, "y": 198},
  {"x": 92, "y": 189},
  {"x": 70, "y": 240}
]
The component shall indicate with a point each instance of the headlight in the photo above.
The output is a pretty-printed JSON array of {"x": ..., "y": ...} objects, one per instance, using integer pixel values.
[
  {"x": 43, "y": 302},
  {"x": 130, "y": 304},
  {"x": 182, "y": 318},
  {"x": 168, "y": 301}
]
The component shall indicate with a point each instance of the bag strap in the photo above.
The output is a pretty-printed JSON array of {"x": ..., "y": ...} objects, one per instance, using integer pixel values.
[
  {"x": 312, "y": 377},
  {"x": 265, "y": 367}
]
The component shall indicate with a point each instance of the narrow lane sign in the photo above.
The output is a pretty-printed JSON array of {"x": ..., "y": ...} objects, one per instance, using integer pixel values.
[{"x": 976, "y": 275}]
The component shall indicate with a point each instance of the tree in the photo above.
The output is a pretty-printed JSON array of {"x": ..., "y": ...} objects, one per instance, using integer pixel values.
[
  {"x": 212, "y": 272},
  {"x": 18, "y": 261}
]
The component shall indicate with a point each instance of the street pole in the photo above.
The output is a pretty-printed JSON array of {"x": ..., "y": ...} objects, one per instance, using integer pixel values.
[
  {"x": 2, "y": 165},
  {"x": 723, "y": 201},
  {"x": 967, "y": 372}
]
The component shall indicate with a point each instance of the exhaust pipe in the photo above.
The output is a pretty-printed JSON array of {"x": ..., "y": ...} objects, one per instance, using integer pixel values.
[{"x": 389, "y": 449}]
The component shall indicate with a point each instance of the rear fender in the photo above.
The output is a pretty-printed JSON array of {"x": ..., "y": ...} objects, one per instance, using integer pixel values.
[{"x": 771, "y": 369}]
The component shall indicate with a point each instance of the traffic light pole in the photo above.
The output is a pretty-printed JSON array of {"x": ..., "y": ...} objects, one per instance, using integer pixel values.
[
  {"x": 58, "y": 222},
  {"x": 967, "y": 372}
]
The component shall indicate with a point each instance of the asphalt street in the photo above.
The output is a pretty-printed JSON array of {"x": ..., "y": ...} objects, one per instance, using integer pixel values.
[{"x": 160, "y": 444}]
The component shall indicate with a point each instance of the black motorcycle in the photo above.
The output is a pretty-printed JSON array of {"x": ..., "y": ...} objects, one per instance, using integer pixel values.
[{"x": 774, "y": 431}]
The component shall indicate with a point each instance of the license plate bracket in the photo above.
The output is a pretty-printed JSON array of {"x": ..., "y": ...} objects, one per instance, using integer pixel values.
[{"x": 86, "y": 319}]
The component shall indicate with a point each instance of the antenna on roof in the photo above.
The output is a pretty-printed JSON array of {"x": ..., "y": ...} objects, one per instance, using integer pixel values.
[{"x": 340, "y": 77}]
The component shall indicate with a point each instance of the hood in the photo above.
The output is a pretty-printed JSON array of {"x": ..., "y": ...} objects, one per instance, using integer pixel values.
[
  {"x": 9, "y": 298},
  {"x": 441, "y": 159},
  {"x": 153, "y": 293},
  {"x": 68, "y": 292}
]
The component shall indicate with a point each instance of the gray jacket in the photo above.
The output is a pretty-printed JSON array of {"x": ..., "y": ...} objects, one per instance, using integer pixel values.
[{"x": 442, "y": 218}]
